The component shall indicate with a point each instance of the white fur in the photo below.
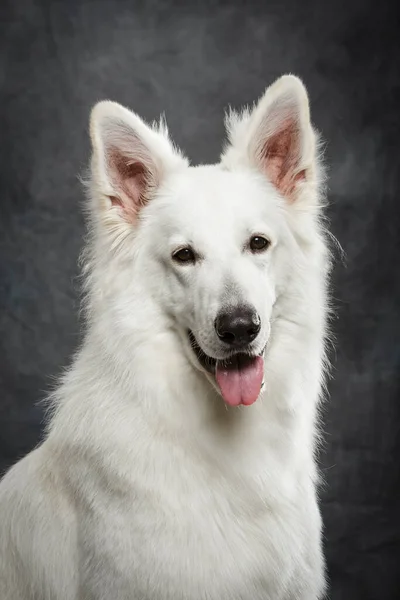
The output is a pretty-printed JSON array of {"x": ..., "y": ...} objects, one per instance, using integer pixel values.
[{"x": 147, "y": 486}]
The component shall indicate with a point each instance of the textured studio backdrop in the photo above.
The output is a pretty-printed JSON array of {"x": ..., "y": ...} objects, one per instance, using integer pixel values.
[{"x": 190, "y": 60}]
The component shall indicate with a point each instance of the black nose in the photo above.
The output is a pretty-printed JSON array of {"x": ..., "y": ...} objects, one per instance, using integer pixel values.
[{"x": 239, "y": 326}]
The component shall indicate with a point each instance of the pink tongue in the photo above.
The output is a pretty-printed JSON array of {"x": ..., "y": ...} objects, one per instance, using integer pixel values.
[{"x": 240, "y": 381}]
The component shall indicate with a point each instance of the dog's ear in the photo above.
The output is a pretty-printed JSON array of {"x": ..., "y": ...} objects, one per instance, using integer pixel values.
[
  {"x": 130, "y": 159},
  {"x": 277, "y": 138}
]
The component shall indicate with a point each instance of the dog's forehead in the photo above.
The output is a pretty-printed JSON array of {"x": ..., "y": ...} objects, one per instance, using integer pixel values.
[
  {"x": 219, "y": 196},
  {"x": 212, "y": 185}
]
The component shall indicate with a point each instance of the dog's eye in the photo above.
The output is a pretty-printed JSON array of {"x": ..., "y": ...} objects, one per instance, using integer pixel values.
[
  {"x": 258, "y": 243},
  {"x": 184, "y": 255}
]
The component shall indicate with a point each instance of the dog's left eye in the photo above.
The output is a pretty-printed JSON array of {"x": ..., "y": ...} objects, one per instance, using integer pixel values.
[
  {"x": 258, "y": 243},
  {"x": 184, "y": 255}
]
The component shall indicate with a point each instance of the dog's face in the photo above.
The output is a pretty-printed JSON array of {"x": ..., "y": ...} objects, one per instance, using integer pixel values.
[
  {"x": 216, "y": 233},
  {"x": 214, "y": 241}
]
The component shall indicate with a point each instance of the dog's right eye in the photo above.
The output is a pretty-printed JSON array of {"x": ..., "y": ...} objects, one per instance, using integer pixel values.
[{"x": 184, "y": 255}]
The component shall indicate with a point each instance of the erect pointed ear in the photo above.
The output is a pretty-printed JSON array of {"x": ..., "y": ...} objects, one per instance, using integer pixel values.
[
  {"x": 277, "y": 138},
  {"x": 130, "y": 159}
]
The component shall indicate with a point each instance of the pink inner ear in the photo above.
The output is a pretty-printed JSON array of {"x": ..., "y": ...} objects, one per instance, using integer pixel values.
[
  {"x": 131, "y": 181},
  {"x": 281, "y": 156}
]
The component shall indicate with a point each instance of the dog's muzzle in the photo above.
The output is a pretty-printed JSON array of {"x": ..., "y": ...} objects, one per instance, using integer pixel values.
[{"x": 240, "y": 377}]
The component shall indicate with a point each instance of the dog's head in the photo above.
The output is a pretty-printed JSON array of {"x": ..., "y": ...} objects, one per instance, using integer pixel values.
[{"x": 214, "y": 244}]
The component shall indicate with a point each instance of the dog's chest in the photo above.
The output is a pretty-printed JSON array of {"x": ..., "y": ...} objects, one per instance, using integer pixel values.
[{"x": 192, "y": 531}]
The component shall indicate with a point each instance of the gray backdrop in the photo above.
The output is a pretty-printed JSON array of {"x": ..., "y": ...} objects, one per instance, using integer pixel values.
[{"x": 190, "y": 60}]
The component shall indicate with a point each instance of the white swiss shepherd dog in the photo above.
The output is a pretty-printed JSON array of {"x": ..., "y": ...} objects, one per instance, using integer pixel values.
[{"x": 179, "y": 460}]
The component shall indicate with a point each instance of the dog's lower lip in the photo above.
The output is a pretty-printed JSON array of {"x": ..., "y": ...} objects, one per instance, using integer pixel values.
[{"x": 208, "y": 362}]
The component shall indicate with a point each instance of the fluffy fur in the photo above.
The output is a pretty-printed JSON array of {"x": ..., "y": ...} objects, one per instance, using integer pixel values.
[{"x": 148, "y": 486}]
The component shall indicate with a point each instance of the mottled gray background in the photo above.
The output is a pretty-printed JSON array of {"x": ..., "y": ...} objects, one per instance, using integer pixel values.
[{"x": 190, "y": 60}]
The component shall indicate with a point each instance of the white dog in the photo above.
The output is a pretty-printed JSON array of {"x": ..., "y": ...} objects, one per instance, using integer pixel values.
[{"x": 179, "y": 459}]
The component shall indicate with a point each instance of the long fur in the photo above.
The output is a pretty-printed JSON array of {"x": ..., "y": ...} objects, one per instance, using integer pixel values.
[{"x": 148, "y": 486}]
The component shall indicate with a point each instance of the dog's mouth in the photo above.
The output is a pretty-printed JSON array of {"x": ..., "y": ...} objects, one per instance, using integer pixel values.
[{"x": 240, "y": 377}]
